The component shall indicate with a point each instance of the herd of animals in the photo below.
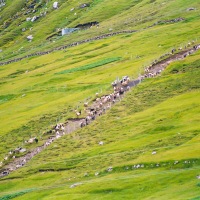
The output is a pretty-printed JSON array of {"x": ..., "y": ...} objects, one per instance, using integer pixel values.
[{"x": 91, "y": 112}]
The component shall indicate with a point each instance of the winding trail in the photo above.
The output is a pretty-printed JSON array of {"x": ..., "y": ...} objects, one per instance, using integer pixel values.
[{"x": 74, "y": 124}]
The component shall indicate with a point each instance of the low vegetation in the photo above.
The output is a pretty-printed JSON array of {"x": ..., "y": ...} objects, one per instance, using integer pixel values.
[{"x": 151, "y": 137}]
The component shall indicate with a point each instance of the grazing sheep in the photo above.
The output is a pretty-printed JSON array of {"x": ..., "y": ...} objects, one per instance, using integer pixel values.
[
  {"x": 82, "y": 124},
  {"x": 78, "y": 113},
  {"x": 86, "y": 104}
]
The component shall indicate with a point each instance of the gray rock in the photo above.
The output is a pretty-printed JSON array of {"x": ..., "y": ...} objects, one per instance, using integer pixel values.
[
  {"x": 55, "y": 5},
  {"x": 75, "y": 185},
  {"x": 110, "y": 169}
]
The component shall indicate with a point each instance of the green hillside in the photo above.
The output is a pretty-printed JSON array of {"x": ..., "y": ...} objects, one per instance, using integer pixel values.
[{"x": 151, "y": 137}]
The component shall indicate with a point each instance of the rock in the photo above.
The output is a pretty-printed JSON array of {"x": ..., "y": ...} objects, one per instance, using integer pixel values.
[
  {"x": 191, "y": 9},
  {"x": 101, "y": 143},
  {"x": 34, "y": 18},
  {"x": 86, "y": 174},
  {"x": 96, "y": 174},
  {"x": 137, "y": 166},
  {"x": 75, "y": 185},
  {"x": 55, "y": 5},
  {"x": 1, "y": 50},
  {"x": 153, "y": 153},
  {"x": 198, "y": 176},
  {"x": 24, "y": 29},
  {"x": 30, "y": 37},
  {"x": 84, "y": 5},
  {"x": 71, "y": 9},
  {"x": 28, "y": 19},
  {"x": 110, "y": 169},
  {"x": 126, "y": 168},
  {"x": 175, "y": 162},
  {"x": 22, "y": 150}
]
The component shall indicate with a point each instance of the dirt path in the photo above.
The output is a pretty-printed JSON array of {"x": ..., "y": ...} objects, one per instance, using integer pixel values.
[{"x": 96, "y": 109}]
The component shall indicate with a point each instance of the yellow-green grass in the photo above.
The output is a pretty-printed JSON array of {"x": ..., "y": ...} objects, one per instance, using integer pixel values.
[
  {"x": 49, "y": 93},
  {"x": 139, "y": 15},
  {"x": 161, "y": 115}
]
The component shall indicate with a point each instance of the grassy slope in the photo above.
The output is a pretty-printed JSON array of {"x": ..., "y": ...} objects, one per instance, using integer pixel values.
[
  {"x": 157, "y": 110},
  {"x": 157, "y": 115},
  {"x": 50, "y": 93},
  {"x": 139, "y": 15}
]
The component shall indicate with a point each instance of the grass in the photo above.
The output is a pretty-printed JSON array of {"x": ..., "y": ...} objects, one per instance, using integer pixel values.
[
  {"x": 162, "y": 124},
  {"x": 90, "y": 66},
  {"x": 160, "y": 114}
]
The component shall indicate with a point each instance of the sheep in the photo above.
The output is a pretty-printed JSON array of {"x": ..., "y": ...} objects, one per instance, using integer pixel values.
[
  {"x": 173, "y": 51},
  {"x": 82, "y": 124},
  {"x": 86, "y": 104},
  {"x": 121, "y": 91},
  {"x": 6, "y": 158},
  {"x": 31, "y": 140},
  {"x": 114, "y": 84},
  {"x": 78, "y": 113}
]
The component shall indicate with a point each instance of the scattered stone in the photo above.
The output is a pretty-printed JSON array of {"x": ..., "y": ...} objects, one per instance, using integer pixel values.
[
  {"x": 23, "y": 95},
  {"x": 96, "y": 174},
  {"x": 24, "y": 29},
  {"x": 1, "y": 50},
  {"x": 126, "y": 168},
  {"x": 55, "y": 5},
  {"x": 84, "y": 5},
  {"x": 153, "y": 153},
  {"x": 71, "y": 9},
  {"x": 101, "y": 143},
  {"x": 137, "y": 166},
  {"x": 22, "y": 150},
  {"x": 28, "y": 19},
  {"x": 170, "y": 21},
  {"x": 110, "y": 169},
  {"x": 34, "y": 18},
  {"x": 198, "y": 176},
  {"x": 86, "y": 174},
  {"x": 176, "y": 162},
  {"x": 30, "y": 37},
  {"x": 157, "y": 165},
  {"x": 191, "y": 9},
  {"x": 75, "y": 185}
]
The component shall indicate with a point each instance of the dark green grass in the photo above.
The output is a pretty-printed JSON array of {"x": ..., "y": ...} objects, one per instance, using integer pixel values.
[
  {"x": 90, "y": 66},
  {"x": 14, "y": 195}
]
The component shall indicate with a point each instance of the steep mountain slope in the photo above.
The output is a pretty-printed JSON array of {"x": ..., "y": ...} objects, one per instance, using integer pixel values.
[{"x": 151, "y": 138}]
